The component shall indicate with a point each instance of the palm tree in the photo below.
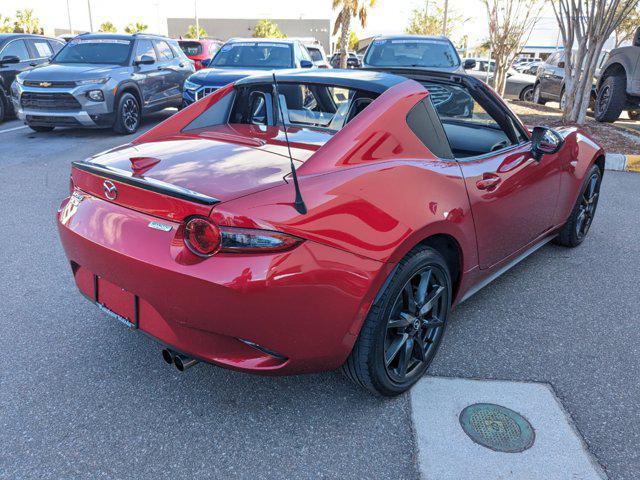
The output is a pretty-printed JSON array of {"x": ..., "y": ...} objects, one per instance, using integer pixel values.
[
  {"x": 5, "y": 25},
  {"x": 135, "y": 28},
  {"x": 108, "y": 27},
  {"x": 349, "y": 9},
  {"x": 27, "y": 22},
  {"x": 193, "y": 33}
]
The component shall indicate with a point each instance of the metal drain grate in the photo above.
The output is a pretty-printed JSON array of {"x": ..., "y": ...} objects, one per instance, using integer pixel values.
[{"x": 497, "y": 427}]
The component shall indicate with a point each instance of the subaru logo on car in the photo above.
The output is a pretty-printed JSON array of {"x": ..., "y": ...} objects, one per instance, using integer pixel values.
[{"x": 110, "y": 190}]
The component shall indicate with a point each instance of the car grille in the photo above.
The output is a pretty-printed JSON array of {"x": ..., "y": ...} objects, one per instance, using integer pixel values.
[
  {"x": 52, "y": 121},
  {"x": 49, "y": 101},
  {"x": 52, "y": 84},
  {"x": 439, "y": 94},
  {"x": 204, "y": 91}
]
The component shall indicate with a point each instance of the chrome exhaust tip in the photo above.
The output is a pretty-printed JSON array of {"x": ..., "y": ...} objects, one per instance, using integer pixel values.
[
  {"x": 183, "y": 362},
  {"x": 167, "y": 355}
]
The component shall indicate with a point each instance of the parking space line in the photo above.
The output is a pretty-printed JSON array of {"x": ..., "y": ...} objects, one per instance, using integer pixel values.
[{"x": 13, "y": 129}]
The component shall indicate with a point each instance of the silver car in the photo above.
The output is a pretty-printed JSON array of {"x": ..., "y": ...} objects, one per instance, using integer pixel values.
[{"x": 103, "y": 80}]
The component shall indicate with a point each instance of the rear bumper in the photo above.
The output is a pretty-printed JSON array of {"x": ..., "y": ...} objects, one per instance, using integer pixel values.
[{"x": 306, "y": 305}]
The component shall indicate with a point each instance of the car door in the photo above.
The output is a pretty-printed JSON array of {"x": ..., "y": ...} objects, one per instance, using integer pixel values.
[
  {"x": 545, "y": 70},
  {"x": 170, "y": 71},
  {"x": 8, "y": 72},
  {"x": 147, "y": 77},
  {"x": 513, "y": 197},
  {"x": 40, "y": 49},
  {"x": 556, "y": 77}
]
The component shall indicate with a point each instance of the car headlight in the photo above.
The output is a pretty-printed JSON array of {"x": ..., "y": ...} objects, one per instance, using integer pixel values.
[
  {"x": 19, "y": 79},
  {"x": 93, "y": 81},
  {"x": 96, "y": 95},
  {"x": 190, "y": 85}
]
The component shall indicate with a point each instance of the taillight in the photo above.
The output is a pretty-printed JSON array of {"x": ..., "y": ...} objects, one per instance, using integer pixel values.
[{"x": 204, "y": 239}]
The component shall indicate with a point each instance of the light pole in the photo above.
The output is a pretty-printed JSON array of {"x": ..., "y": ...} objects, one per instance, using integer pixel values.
[
  {"x": 444, "y": 19},
  {"x": 90, "y": 18},
  {"x": 69, "y": 17},
  {"x": 195, "y": 11}
]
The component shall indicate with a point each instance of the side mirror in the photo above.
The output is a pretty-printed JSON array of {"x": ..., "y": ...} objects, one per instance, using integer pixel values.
[
  {"x": 636, "y": 38},
  {"x": 545, "y": 141},
  {"x": 306, "y": 64},
  {"x": 9, "y": 59},
  {"x": 145, "y": 60},
  {"x": 469, "y": 63}
]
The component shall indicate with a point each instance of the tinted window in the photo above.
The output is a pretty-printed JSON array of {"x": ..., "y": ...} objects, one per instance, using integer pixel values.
[
  {"x": 316, "y": 56},
  {"x": 41, "y": 48},
  {"x": 95, "y": 50},
  {"x": 254, "y": 55},
  {"x": 412, "y": 53},
  {"x": 164, "y": 51},
  {"x": 56, "y": 46},
  {"x": 429, "y": 129},
  {"x": 145, "y": 47},
  {"x": 16, "y": 48},
  {"x": 191, "y": 49}
]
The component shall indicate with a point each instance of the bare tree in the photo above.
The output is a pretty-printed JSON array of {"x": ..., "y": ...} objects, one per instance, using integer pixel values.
[
  {"x": 510, "y": 24},
  {"x": 585, "y": 25}
]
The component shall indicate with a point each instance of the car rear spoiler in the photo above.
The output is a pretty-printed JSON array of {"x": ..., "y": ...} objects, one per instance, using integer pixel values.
[{"x": 144, "y": 182}]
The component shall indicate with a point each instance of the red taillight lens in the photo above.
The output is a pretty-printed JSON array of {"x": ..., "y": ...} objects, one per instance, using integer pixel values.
[
  {"x": 202, "y": 236},
  {"x": 204, "y": 239}
]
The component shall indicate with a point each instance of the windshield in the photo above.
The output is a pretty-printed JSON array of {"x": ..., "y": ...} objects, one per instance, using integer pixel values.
[
  {"x": 254, "y": 55},
  {"x": 191, "y": 49},
  {"x": 412, "y": 53},
  {"x": 316, "y": 56},
  {"x": 95, "y": 50}
]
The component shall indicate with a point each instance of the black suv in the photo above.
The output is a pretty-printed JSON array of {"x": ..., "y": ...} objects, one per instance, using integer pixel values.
[
  {"x": 20, "y": 52},
  {"x": 103, "y": 80}
]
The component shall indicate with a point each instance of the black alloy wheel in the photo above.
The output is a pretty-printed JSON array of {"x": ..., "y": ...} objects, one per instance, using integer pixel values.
[
  {"x": 415, "y": 326},
  {"x": 127, "y": 115},
  {"x": 588, "y": 205}
]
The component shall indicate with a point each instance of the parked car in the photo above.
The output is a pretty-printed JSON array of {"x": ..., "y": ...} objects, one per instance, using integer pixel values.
[
  {"x": 200, "y": 51},
  {"x": 20, "y": 52},
  {"x": 549, "y": 84},
  {"x": 103, "y": 80},
  {"x": 618, "y": 86},
  {"x": 396, "y": 211},
  {"x": 415, "y": 51},
  {"x": 241, "y": 57},
  {"x": 317, "y": 54},
  {"x": 353, "y": 61},
  {"x": 518, "y": 86}
]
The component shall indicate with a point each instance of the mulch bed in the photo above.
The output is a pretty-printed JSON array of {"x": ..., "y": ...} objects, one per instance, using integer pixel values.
[{"x": 613, "y": 138}]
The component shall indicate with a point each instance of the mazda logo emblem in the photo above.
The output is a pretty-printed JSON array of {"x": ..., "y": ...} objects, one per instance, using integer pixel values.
[{"x": 110, "y": 190}]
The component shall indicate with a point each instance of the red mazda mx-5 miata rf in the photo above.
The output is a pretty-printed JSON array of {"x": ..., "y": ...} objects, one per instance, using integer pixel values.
[{"x": 327, "y": 219}]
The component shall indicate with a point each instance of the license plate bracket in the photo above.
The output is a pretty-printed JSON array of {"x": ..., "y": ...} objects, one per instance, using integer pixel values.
[{"x": 116, "y": 302}]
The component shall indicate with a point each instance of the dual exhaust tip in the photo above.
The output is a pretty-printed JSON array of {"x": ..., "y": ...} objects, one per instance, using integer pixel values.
[{"x": 182, "y": 362}]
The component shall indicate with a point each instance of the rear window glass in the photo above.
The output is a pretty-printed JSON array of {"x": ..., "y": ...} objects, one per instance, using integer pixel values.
[
  {"x": 315, "y": 105},
  {"x": 191, "y": 49},
  {"x": 316, "y": 56},
  {"x": 254, "y": 55},
  {"x": 412, "y": 53},
  {"x": 95, "y": 51}
]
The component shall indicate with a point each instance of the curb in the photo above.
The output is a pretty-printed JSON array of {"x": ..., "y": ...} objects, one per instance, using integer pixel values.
[{"x": 622, "y": 163}]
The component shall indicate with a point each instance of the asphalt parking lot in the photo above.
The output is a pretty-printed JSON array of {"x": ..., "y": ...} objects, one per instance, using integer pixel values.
[{"x": 83, "y": 397}]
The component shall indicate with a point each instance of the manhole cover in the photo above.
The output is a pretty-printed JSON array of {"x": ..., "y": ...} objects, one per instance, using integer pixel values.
[{"x": 497, "y": 428}]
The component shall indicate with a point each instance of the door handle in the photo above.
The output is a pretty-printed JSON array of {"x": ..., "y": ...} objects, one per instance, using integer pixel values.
[
  {"x": 488, "y": 182},
  {"x": 33, "y": 64}
]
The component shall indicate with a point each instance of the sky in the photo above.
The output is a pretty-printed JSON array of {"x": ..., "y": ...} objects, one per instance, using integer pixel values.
[{"x": 388, "y": 16}]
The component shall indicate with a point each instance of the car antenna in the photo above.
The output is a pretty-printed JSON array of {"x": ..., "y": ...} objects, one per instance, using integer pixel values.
[{"x": 299, "y": 203}]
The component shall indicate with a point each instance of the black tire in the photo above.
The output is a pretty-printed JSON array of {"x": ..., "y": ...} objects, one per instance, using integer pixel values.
[
  {"x": 575, "y": 230},
  {"x": 611, "y": 98},
  {"x": 537, "y": 95},
  {"x": 128, "y": 115},
  {"x": 40, "y": 128},
  {"x": 527, "y": 94},
  {"x": 372, "y": 363},
  {"x": 4, "y": 105},
  {"x": 633, "y": 114}
]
